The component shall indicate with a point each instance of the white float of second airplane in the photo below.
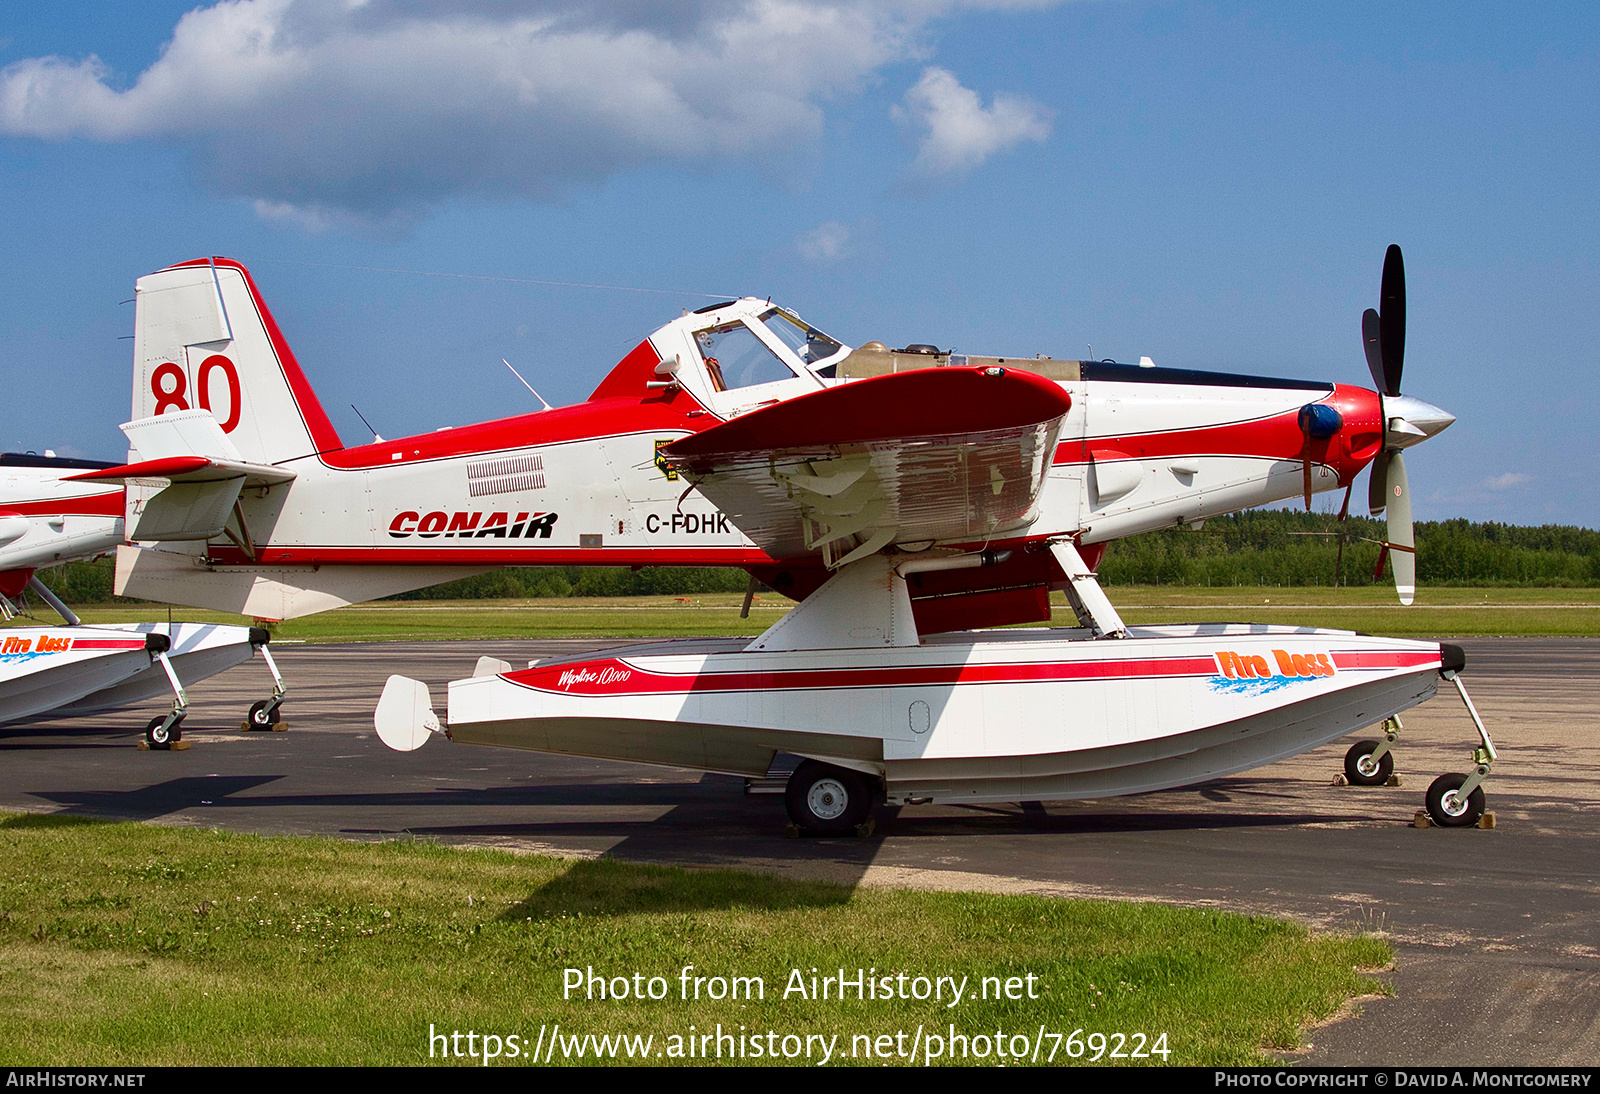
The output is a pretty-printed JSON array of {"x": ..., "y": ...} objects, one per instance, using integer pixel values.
[{"x": 59, "y": 672}]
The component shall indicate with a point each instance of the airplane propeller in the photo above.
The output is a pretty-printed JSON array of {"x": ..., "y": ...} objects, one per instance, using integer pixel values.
[{"x": 1406, "y": 421}]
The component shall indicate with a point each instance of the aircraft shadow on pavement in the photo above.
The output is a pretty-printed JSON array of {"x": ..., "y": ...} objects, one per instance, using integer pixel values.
[
  {"x": 62, "y": 746},
  {"x": 155, "y": 800},
  {"x": 216, "y": 791},
  {"x": 709, "y": 822},
  {"x": 971, "y": 821},
  {"x": 44, "y": 736}
]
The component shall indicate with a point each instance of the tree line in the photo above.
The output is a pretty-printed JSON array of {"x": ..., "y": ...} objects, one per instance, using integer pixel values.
[{"x": 1283, "y": 547}]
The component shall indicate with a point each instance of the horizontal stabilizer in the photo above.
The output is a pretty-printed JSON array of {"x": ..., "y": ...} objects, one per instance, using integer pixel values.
[
  {"x": 197, "y": 470},
  {"x": 188, "y": 446},
  {"x": 190, "y": 469}
]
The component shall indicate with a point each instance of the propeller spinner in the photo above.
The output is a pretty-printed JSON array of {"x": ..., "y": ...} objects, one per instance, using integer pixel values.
[{"x": 1407, "y": 421}]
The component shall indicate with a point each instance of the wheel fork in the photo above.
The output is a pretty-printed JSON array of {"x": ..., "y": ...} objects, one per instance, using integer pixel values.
[{"x": 1391, "y": 734}]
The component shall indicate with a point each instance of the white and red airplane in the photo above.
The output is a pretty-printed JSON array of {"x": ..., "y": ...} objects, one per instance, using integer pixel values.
[
  {"x": 741, "y": 435},
  {"x": 244, "y": 498},
  {"x": 59, "y": 672},
  {"x": 46, "y": 520}
]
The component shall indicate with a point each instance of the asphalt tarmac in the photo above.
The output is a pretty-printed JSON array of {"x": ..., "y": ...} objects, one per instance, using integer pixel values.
[{"x": 1495, "y": 931}]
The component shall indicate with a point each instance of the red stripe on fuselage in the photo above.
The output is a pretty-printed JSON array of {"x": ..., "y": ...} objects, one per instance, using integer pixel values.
[
  {"x": 493, "y": 556},
  {"x": 1276, "y": 437},
  {"x": 594, "y": 421},
  {"x": 1384, "y": 659},
  {"x": 617, "y": 677},
  {"x": 85, "y": 505}
]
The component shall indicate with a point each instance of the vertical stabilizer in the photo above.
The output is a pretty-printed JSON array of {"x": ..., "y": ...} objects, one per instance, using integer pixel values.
[{"x": 204, "y": 340}]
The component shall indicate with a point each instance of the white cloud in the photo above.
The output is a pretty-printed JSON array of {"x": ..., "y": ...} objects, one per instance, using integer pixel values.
[
  {"x": 957, "y": 133},
  {"x": 326, "y": 110},
  {"x": 824, "y": 243},
  {"x": 1509, "y": 481}
]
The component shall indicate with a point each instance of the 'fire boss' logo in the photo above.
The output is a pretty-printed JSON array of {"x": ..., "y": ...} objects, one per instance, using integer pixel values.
[
  {"x": 1249, "y": 674},
  {"x": 15, "y": 646},
  {"x": 1252, "y": 666},
  {"x": 468, "y": 526}
]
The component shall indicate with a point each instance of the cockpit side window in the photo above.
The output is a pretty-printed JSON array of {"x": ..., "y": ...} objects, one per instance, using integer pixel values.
[{"x": 736, "y": 358}]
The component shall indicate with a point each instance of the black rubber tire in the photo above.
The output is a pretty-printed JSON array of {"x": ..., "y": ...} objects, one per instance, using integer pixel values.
[
  {"x": 259, "y": 716},
  {"x": 1470, "y": 810},
  {"x": 824, "y": 798},
  {"x": 158, "y": 738},
  {"x": 1352, "y": 765}
]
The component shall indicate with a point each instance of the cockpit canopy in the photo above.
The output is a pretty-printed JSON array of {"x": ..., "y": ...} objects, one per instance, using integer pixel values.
[{"x": 747, "y": 353}]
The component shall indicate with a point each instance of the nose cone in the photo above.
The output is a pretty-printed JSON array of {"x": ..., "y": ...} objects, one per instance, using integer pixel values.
[{"x": 1411, "y": 421}]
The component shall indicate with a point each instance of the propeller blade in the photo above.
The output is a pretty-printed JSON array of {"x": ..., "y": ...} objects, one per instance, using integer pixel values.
[
  {"x": 1402, "y": 540},
  {"x": 1372, "y": 342},
  {"x": 1305, "y": 472},
  {"x": 1344, "y": 513},
  {"x": 1376, "y": 480},
  {"x": 1392, "y": 319}
]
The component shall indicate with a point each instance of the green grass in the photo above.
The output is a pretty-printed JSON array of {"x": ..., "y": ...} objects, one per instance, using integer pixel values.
[
  {"x": 1440, "y": 611},
  {"x": 1437, "y": 612},
  {"x": 563, "y": 617},
  {"x": 128, "y": 944}
]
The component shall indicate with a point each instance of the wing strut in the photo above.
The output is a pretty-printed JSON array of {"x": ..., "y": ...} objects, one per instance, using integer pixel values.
[
  {"x": 1088, "y": 600},
  {"x": 54, "y": 601}
]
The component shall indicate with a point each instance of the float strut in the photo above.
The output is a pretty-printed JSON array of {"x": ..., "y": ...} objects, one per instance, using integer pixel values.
[{"x": 1484, "y": 754}]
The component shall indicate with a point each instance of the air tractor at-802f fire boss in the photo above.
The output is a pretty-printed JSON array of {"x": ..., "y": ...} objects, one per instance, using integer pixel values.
[{"x": 904, "y": 497}]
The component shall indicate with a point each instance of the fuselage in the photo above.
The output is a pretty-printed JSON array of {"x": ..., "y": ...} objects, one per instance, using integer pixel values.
[{"x": 1141, "y": 448}]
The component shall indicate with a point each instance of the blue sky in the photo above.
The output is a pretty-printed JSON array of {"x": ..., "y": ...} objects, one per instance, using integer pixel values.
[{"x": 1209, "y": 184}]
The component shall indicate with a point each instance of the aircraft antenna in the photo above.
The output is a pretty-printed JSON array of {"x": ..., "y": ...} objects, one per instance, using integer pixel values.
[
  {"x": 375, "y": 438},
  {"x": 525, "y": 383}
]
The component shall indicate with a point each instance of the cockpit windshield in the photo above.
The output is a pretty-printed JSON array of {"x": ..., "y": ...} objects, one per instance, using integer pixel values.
[{"x": 808, "y": 343}]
